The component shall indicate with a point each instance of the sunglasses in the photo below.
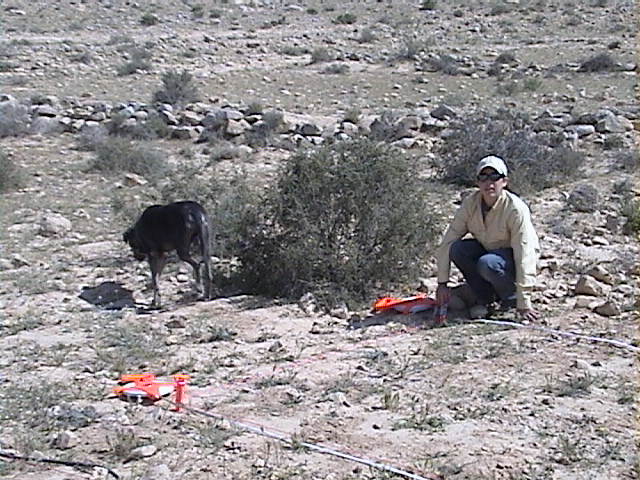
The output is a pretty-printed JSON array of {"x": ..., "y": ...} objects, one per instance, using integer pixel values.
[{"x": 494, "y": 177}]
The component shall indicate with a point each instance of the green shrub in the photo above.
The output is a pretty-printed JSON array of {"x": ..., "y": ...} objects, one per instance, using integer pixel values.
[
  {"x": 428, "y": 5},
  {"x": 177, "y": 89},
  {"x": 116, "y": 155},
  {"x": 533, "y": 166},
  {"x": 346, "y": 19},
  {"x": 149, "y": 19},
  {"x": 343, "y": 222},
  {"x": 12, "y": 175}
]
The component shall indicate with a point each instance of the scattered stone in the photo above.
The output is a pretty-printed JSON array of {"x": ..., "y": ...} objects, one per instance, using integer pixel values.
[
  {"x": 585, "y": 198},
  {"x": 158, "y": 472},
  {"x": 54, "y": 224},
  {"x": 601, "y": 274},
  {"x": 607, "y": 309},
  {"x": 589, "y": 286},
  {"x": 143, "y": 452},
  {"x": 65, "y": 440}
]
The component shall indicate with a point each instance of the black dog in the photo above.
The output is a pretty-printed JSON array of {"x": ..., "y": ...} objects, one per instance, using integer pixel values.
[{"x": 163, "y": 228}]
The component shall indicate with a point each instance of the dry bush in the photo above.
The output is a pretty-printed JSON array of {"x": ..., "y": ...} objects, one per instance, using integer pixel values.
[
  {"x": 532, "y": 165},
  {"x": 601, "y": 62},
  {"x": 342, "y": 221},
  {"x": 117, "y": 155},
  {"x": 178, "y": 88}
]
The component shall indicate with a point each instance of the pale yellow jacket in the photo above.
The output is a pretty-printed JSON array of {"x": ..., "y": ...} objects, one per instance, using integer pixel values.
[{"x": 507, "y": 224}]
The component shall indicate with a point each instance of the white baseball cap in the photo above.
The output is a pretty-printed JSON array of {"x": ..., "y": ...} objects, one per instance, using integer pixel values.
[{"x": 492, "y": 162}]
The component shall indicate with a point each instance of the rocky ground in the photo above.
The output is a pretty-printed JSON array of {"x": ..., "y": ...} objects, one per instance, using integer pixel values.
[{"x": 463, "y": 400}]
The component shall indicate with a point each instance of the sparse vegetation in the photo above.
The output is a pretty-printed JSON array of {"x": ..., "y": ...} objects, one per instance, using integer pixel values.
[
  {"x": 139, "y": 59},
  {"x": 532, "y": 165},
  {"x": 320, "y": 55},
  {"x": 149, "y": 19},
  {"x": 117, "y": 155},
  {"x": 346, "y": 19},
  {"x": 601, "y": 62},
  {"x": 428, "y": 5},
  {"x": 178, "y": 88}
]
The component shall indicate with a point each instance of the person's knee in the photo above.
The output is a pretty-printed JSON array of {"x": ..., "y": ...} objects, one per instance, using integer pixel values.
[{"x": 490, "y": 266}]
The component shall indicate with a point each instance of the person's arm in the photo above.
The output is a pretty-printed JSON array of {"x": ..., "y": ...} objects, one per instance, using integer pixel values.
[
  {"x": 456, "y": 230},
  {"x": 524, "y": 243}
]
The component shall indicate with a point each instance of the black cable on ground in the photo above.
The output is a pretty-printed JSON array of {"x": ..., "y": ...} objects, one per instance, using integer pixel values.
[{"x": 13, "y": 456}]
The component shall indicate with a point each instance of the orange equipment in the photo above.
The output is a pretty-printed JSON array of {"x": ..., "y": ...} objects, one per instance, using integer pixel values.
[
  {"x": 145, "y": 386},
  {"x": 414, "y": 304}
]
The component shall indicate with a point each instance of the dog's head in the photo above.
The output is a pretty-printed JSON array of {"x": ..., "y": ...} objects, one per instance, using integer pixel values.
[{"x": 131, "y": 238}]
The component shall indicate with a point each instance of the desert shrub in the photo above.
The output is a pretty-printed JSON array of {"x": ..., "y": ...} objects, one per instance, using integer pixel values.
[
  {"x": 152, "y": 128},
  {"x": 410, "y": 48},
  {"x": 294, "y": 50},
  {"x": 178, "y": 88},
  {"x": 12, "y": 175},
  {"x": 500, "y": 8},
  {"x": 138, "y": 60},
  {"x": 506, "y": 58},
  {"x": 630, "y": 209},
  {"x": 320, "y": 54},
  {"x": 262, "y": 132},
  {"x": 367, "y": 35},
  {"x": 346, "y": 19},
  {"x": 343, "y": 221},
  {"x": 7, "y": 66},
  {"x": 116, "y": 155},
  {"x": 444, "y": 63},
  {"x": 532, "y": 165},
  {"x": 14, "y": 119},
  {"x": 337, "y": 69},
  {"x": 197, "y": 10},
  {"x": 85, "y": 57},
  {"x": 254, "y": 107},
  {"x": 428, "y": 5},
  {"x": 353, "y": 115},
  {"x": 149, "y": 19},
  {"x": 629, "y": 160},
  {"x": 601, "y": 62},
  {"x": 532, "y": 84}
]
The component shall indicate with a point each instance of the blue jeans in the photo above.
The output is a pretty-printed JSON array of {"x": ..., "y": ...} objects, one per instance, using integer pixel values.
[{"x": 490, "y": 274}]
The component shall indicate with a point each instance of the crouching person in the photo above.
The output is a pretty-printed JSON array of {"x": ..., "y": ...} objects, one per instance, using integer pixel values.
[{"x": 499, "y": 262}]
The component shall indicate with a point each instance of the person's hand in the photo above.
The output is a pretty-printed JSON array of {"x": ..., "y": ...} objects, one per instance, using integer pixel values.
[
  {"x": 528, "y": 314},
  {"x": 443, "y": 294}
]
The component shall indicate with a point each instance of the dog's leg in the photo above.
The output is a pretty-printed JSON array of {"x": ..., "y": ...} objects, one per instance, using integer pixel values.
[
  {"x": 157, "y": 261},
  {"x": 184, "y": 255}
]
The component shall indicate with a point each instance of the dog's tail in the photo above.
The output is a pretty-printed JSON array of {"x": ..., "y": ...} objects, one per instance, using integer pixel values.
[{"x": 205, "y": 250}]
